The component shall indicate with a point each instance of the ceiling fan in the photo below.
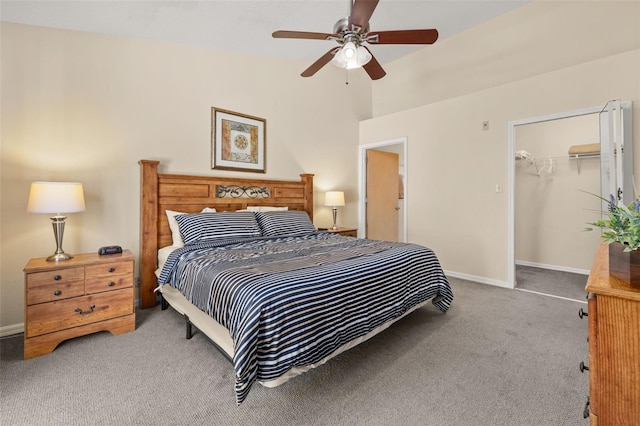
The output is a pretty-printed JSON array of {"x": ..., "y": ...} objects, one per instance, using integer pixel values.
[{"x": 351, "y": 33}]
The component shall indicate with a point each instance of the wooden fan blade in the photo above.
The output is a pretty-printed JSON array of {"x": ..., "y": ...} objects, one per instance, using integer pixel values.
[
  {"x": 403, "y": 37},
  {"x": 361, "y": 13},
  {"x": 324, "y": 60},
  {"x": 373, "y": 68},
  {"x": 303, "y": 34}
]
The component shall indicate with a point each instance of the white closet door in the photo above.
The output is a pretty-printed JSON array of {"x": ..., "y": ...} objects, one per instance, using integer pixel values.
[{"x": 616, "y": 153}]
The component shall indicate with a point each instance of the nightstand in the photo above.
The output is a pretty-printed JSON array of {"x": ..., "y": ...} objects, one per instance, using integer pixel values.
[
  {"x": 79, "y": 296},
  {"x": 347, "y": 232}
]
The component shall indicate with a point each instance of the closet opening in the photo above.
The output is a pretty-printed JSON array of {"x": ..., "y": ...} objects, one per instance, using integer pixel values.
[{"x": 559, "y": 167}]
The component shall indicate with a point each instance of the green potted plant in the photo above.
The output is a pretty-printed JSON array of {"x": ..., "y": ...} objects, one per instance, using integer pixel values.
[{"x": 621, "y": 229}]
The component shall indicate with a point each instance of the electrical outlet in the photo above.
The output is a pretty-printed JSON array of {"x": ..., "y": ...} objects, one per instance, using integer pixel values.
[{"x": 485, "y": 125}]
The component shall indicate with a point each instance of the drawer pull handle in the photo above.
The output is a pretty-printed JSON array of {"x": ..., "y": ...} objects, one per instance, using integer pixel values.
[
  {"x": 582, "y": 313},
  {"x": 57, "y": 293},
  {"x": 112, "y": 269},
  {"x": 585, "y": 413},
  {"x": 81, "y": 312},
  {"x": 111, "y": 284},
  {"x": 583, "y": 367},
  {"x": 57, "y": 277}
]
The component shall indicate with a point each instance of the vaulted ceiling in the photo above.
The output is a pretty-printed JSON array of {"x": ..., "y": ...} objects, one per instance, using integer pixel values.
[{"x": 246, "y": 26}]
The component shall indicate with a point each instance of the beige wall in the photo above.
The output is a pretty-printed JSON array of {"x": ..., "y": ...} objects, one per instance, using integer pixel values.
[
  {"x": 496, "y": 72},
  {"x": 86, "y": 107},
  {"x": 539, "y": 37}
]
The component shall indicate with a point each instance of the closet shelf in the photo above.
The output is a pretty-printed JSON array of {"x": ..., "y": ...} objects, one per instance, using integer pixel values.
[{"x": 588, "y": 149}]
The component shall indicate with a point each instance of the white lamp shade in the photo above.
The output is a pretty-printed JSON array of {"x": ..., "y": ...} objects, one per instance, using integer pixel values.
[
  {"x": 56, "y": 197},
  {"x": 334, "y": 198},
  {"x": 350, "y": 57}
]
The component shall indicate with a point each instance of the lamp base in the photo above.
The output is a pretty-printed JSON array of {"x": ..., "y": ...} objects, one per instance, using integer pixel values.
[
  {"x": 58, "y": 232},
  {"x": 57, "y": 257}
]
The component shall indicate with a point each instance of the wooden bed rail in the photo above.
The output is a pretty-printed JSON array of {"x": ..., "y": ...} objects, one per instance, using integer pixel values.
[{"x": 191, "y": 193}]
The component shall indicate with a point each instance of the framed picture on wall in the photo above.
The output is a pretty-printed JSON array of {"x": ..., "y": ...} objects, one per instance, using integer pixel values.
[{"x": 238, "y": 141}]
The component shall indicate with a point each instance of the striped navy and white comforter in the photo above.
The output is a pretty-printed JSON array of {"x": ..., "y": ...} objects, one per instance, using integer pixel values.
[{"x": 292, "y": 301}]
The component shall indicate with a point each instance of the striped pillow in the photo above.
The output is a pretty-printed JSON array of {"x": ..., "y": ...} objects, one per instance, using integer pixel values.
[
  {"x": 290, "y": 222},
  {"x": 200, "y": 227},
  {"x": 175, "y": 229}
]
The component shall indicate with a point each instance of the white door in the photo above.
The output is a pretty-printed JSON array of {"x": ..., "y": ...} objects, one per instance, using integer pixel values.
[{"x": 616, "y": 153}]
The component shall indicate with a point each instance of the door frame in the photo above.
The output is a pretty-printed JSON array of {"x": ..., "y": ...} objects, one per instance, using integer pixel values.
[
  {"x": 362, "y": 183},
  {"x": 511, "y": 168}
]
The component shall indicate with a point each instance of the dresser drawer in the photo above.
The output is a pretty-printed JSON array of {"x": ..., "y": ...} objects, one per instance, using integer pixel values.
[
  {"x": 107, "y": 269},
  {"x": 63, "y": 314},
  {"x": 61, "y": 276},
  {"x": 55, "y": 291},
  {"x": 100, "y": 284}
]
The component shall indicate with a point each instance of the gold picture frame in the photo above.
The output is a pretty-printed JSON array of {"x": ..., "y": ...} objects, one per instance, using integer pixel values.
[{"x": 238, "y": 141}]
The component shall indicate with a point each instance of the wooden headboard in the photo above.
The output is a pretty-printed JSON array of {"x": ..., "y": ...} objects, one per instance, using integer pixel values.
[{"x": 190, "y": 194}]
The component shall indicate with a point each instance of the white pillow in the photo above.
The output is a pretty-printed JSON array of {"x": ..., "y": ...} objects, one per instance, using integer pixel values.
[
  {"x": 266, "y": 209},
  {"x": 175, "y": 229}
]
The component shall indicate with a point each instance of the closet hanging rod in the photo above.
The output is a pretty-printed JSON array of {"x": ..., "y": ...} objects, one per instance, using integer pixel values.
[
  {"x": 548, "y": 164},
  {"x": 565, "y": 157}
]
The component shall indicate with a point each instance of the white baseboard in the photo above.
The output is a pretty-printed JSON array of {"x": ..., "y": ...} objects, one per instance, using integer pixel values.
[
  {"x": 10, "y": 330},
  {"x": 553, "y": 267},
  {"x": 475, "y": 278}
]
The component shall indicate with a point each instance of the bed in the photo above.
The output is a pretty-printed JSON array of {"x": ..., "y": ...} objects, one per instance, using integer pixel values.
[{"x": 241, "y": 261}]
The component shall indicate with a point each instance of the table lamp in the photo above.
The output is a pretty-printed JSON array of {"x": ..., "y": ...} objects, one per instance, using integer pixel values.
[
  {"x": 334, "y": 199},
  {"x": 58, "y": 198}
]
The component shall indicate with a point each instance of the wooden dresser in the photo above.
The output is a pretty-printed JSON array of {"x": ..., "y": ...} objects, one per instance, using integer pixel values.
[
  {"x": 79, "y": 296},
  {"x": 614, "y": 347}
]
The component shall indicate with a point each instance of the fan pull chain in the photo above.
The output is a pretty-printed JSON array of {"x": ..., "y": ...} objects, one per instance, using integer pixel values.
[{"x": 346, "y": 76}]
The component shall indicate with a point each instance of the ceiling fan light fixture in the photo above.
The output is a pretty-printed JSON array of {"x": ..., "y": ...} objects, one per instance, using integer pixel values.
[
  {"x": 363, "y": 57},
  {"x": 349, "y": 51},
  {"x": 351, "y": 57},
  {"x": 338, "y": 61},
  {"x": 350, "y": 33}
]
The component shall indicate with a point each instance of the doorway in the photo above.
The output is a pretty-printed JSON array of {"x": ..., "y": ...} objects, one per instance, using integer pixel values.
[
  {"x": 398, "y": 146},
  {"x": 611, "y": 171},
  {"x": 553, "y": 204}
]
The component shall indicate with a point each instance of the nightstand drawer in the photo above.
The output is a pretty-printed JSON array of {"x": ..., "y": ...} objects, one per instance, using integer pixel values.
[
  {"x": 98, "y": 285},
  {"x": 54, "y": 316},
  {"x": 61, "y": 276},
  {"x": 347, "y": 232},
  {"x": 57, "y": 291},
  {"x": 107, "y": 269}
]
